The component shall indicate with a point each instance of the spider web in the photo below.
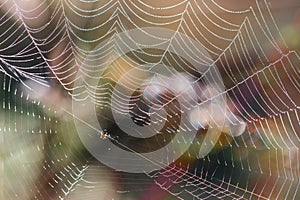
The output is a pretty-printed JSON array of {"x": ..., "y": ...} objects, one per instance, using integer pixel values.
[{"x": 46, "y": 47}]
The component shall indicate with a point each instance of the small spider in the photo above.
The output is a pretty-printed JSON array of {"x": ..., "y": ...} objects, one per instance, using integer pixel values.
[{"x": 104, "y": 134}]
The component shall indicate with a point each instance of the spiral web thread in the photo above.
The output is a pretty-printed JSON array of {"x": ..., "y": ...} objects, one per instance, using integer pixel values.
[{"x": 47, "y": 43}]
